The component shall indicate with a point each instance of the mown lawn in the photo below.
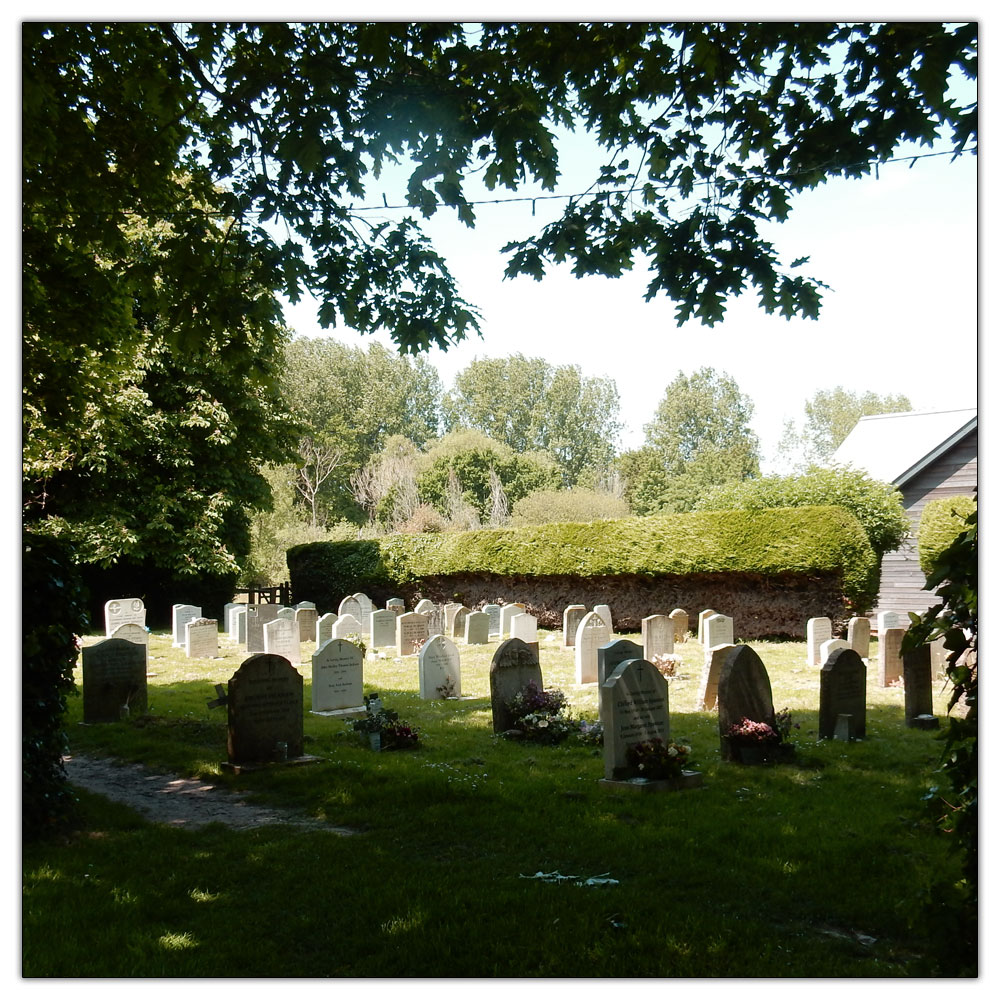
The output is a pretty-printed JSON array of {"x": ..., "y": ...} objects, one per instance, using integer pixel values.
[{"x": 808, "y": 870}]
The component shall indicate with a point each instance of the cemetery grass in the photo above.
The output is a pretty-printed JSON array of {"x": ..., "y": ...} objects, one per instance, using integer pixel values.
[{"x": 811, "y": 869}]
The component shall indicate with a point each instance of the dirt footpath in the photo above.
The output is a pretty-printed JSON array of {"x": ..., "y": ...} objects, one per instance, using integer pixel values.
[{"x": 181, "y": 802}]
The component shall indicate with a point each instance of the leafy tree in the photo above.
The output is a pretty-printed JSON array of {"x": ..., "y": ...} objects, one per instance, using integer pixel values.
[
  {"x": 831, "y": 415},
  {"x": 531, "y": 405},
  {"x": 577, "y": 504}
]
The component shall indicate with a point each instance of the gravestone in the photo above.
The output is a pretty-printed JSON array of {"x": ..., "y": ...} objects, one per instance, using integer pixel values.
[
  {"x": 258, "y": 615},
  {"x": 859, "y": 636},
  {"x": 201, "y": 638},
  {"x": 350, "y": 606},
  {"x": 477, "y": 628},
  {"x": 572, "y": 616},
  {"x": 346, "y": 626},
  {"x": 890, "y": 657},
  {"x": 525, "y": 628},
  {"x": 181, "y": 615},
  {"x": 513, "y": 667},
  {"x": 458, "y": 623},
  {"x": 611, "y": 654},
  {"x": 918, "y": 695},
  {"x": 886, "y": 620},
  {"x": 680, "y": 619},
  {"x": 438, "y": 665},
  {"x": 114, "y": 680},
  {"x": 493, "y": 610},
  {"x": 708, "y": 688},
  {"x": 238, "y": 625},
  {"x": 338, "y": 677},
  {"x": 396, "y": 605},
  {"x": 506, "y": 613},
  {"x": 310, "y": 605},
  {"x": 424, "y": 606},
  {"x": 718, "y": 631},
  {"x": 124, "y": 611},
  {"x": 132, "y": 633},
  {"x": 828, "y": 648},
  {"x": 450, "y": 610},
  {"x": 226, "y": 612},
  {"x": 707, "y": 613},
  {"x": 367, "y": 607},
  {"x": 306, "y": 619},
  {"x": 382, "y": 626},
  {"x": 411, "y": 629},
  {"x": 324, "y": 627},
  {"x": 842, "y": 693},
  {"x": 634, "y": 709},
  {"x": 818, "y": 631},
  {"x": 287, "y": 613},
  {"x": 592, "y": 632},
  {"x": 605, "y": 612},
  {"x": 264, "y": 701},
  {"x": 437, "y": 620},
  {"x": 744, "y": 693},
  {"x": 281, "y": 638},
  {"x": 657, "y": 633}
]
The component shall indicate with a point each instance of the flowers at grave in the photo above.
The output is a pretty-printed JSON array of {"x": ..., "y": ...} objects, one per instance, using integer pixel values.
[
  {"x": 748, "y": 732},
  {"x": 591, "y": 733},
  {"x": 540, "y": 715},
  {"x": 666, "y": 663},
  {"x": 658, "y": 759},
  {"x": 784, "y": 725},
  {"x": 385, "y": 723},
  {"x": 446, "y": 689}
]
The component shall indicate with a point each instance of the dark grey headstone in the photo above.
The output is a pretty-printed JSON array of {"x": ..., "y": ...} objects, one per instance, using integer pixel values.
[
  {"x": 258, "y": 615},
  {"x": 744, "y": 693},
  {"x": 114, "y": 680},
  {"x": 514, "y": 666},
  {"x": 265, "y": 710},
  {"x": 634, "y": 709},
  {"x": 842, "y": 692},
  {"x": 918, "y": 694}
]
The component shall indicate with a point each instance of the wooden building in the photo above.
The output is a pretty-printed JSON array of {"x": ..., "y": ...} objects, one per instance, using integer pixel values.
[{"x": 926, "y": 456}]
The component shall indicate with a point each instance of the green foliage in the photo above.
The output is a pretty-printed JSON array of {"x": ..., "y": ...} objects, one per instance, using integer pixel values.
[
  {"x": 878, "y": 506},
  {"x": 577, "y": 504},
  {"x": 531, "y": 405},
  {"x": 48, "y": 655},
  {"x": 801, "y": 540},
  {"x": 941, "y": 522}
]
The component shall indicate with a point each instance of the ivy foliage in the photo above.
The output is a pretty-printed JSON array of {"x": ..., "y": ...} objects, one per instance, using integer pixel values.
[{"x": 804, "y": 540}]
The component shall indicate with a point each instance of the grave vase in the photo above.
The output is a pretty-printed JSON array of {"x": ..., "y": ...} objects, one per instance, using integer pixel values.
[{"x": 375, "y": 741}]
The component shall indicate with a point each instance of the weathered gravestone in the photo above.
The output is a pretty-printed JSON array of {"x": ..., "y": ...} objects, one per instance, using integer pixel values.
[
  {"x": 609, "y": 656},
  {"x": 440, "y": 669},
  {"x": 605, "y": 612},
  {"x": 458, "y": 623},
  {"x": 887, "y": 619},
  {"x": 238, "y": 625},
  {"x": 918, "y": 695},
  {"x": 424, "y": 606},
  {"x": 411, "y": 630},
  {"x": 382, "y": 626},
  {"x": 350, "y": 606},
  {"x": 264, "y": 701},
  {"x": 842, "y": 698},
  {"x": 513, "y": 667},
  {"x": 680, "y": 619},
  {"x": 477, "y": 628},
  {"x": 818, "y": 631},
  {"x": 592, "y": 632},
  {"x": 338, "y": 678},
  {"x": 124, "y": 611},
  {"x": 281, "y": 638},
  {"x": 859, "y": 636},
  {"x": 309, "y": 605},
  {"x": 437, "y": 620},
  {"x": 708, "y": 689},
  {"x": 634, "y": 709},
  {"x": 396, "y": 605},
  {"x": 286, "y": 613},
  {"x": 114, "y": 680},
  {"x": 367, "y": 607},
  {"x": 744, "y": 693},
  {"x": 525, "y": 628},
  {"x": 227, "y": 610},
  {"x": 258, "y": 615},
  {"x": 493, "y": 610},
  {"x": 346, "y": 626},
  {"x": 181, "y": 614},
  {"x": 657, "y": 633},
  {"x": 201, "y": 638},
  {"x": 133, "y": 633},
  {"x": 572, "y": 616},
  {"x": 324, "y": 627},
  {"x": 828, "y": 648},
  {"x": 450, "y": 610},
  {"x": 890, "y": 656},
  {"x": 506, "y": 613},
  {"x": 306, "y": 619},
  {"x": 707, "y": 613},
  {"x": 718, "y": 631}
]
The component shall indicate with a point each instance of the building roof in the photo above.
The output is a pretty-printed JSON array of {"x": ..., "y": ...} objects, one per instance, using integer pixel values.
[{"x": 894, "y": 447}]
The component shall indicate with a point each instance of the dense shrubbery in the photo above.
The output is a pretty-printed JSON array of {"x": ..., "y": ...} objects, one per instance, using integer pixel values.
[
  {"x": 940, "y": 524},
  {"x": 577, "y": 504},
  {"x": 769, "y": 542},
  {"x": 878, "y": 506}
]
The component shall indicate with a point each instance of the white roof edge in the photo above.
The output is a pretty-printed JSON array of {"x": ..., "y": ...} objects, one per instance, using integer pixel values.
[
  {"x": 920, "y": 413},
  {"x": 932, "y": 455}
]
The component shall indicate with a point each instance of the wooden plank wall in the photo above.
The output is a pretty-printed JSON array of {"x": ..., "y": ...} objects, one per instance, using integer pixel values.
[{"x": 955, "y": 473}]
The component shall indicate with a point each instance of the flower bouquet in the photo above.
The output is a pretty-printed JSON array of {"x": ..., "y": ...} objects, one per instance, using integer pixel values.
[
  {"x": 752, "y": 742},
  {"x": 384, "y": 728},
  {"x": 657, "y": 759},
  {"x": 540, "y": 716}
]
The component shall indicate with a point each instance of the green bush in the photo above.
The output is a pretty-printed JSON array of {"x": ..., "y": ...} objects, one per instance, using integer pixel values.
[
  {"x": 878, "y": 506},
  {"x": 801, "y": 540},
  {"x": 577, "y": 504},
  {"x": 940, "y": 524}
]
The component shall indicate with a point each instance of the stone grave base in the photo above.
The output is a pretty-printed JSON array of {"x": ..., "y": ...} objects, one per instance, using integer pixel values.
[
  {"x": 342, "y": 713},
  {"x": 688, "y": 779},
  {"x": 236, "y": 768},
  {"x": 923, "y": 722}
]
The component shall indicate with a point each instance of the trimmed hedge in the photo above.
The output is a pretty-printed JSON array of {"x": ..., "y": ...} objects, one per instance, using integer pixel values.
[
  {"x": 799, "y": 540},
  {"x": 941, "y": 522}
]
